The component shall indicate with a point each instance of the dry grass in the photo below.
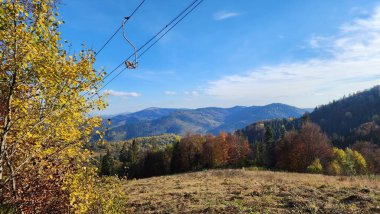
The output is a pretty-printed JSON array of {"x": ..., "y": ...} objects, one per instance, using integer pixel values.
[{"x": 247, "y": 191}]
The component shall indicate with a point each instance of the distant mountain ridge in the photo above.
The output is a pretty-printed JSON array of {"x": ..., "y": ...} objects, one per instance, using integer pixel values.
[
  {"x": 146, "y": 114},
  {"x": 156, "y": 121}
]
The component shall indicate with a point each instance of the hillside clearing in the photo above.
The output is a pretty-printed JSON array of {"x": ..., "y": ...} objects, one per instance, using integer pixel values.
[{"x": 248, "y": 191}]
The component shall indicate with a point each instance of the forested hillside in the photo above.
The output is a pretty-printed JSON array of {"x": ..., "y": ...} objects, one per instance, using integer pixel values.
[
  {"x": 309, "y": 143},
  {"x": 155, "y": 121},
  {"x": 352, "y": 118},
  {"x": 342, "y": 116},
  {"x": 144, "y": 143}
]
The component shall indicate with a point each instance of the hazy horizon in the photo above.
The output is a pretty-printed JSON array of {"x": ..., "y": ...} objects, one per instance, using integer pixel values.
[{"x": 155, "y": 107}]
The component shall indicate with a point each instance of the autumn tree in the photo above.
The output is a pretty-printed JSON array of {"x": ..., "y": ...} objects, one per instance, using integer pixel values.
[
  {"x": 297, "y": 151},
  {"x": 317, "y": 144},
  {"x": 215, "y": 151},
  {"x": 46, "y": 97},
  {"x": 246, "y": 153},
  {"x": 315, "y": 167},
  {"x": 233, "y": 151},
  {"x": 238, "y": 150},
  {"x": 290, "y": 153},
  {"x": 207, "y": 155},
  {"x": 190, "y": 150},
  {"x": 371, "y": 153},
  {"x": 347, "y": 162}
]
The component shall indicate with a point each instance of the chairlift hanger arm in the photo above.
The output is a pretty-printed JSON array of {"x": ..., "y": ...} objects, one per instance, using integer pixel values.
[{"x": 130, "y": 65}]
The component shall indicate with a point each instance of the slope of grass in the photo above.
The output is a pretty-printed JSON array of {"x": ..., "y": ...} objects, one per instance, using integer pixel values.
[{"x": 249, "y": 191}]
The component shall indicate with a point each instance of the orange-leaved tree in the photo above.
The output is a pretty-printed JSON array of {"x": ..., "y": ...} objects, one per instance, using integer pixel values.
[{"x": 296, "y": 151}]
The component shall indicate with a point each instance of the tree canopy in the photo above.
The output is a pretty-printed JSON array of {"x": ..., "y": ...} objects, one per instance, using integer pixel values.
[{"x": 45, "y": 112}]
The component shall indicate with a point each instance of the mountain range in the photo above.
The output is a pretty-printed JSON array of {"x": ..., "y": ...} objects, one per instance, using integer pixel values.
[{"x": 156, "y": 121}]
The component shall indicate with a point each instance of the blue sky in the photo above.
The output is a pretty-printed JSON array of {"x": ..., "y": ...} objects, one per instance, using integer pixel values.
[{"x": 233, "y": 52}]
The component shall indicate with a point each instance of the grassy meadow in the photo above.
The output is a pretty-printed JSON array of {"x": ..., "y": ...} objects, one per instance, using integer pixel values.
[{"x": 253, "y": 191}]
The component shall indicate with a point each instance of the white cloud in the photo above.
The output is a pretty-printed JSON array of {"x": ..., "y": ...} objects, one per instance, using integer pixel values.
[
  {"x": 122, "y": 94},
  {"x": 192, "y": 93},
  {"x": 170, "y": 93},
  {"x": 354, "y": 64},
  {"x": 221, "y": 15}
]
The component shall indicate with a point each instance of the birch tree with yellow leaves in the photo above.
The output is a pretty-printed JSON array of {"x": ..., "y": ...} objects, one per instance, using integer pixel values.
[{"x": 44, "y": 113}]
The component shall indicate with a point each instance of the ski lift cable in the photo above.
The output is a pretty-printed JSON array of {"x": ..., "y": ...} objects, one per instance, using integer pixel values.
[
  {"x": 118, "y": 74},
  {"x": 153, "y": 37},
  {"x": 120, "y": 27},
  {"x": 133, "y": 65},
  {"x": 129, "y": 56},
  {"x": 109, "y": 82},
  {"x": 170, "y": 28}
]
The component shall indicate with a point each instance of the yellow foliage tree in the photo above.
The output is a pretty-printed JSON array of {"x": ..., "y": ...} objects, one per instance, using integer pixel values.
[
  {"x": 334, "y": 168},
  {"x": 45, "y": 111},
  {"x": 315, "y": 167},
  {"x": 347, "y": 162},
  {"x": 360, "y": 163}
]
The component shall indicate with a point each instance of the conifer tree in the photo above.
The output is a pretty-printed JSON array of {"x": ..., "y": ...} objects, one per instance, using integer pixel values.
[
  {"x": 133, "y": 159},
  {"x": 283, "y": 131},
  {"x": 107, "y": 164},
  {"x": 123, "y": 158},
  {"x": 133, "y": 153},
  {"x": 270, "y": 147},
  {"x": 123, "y": 155}
]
